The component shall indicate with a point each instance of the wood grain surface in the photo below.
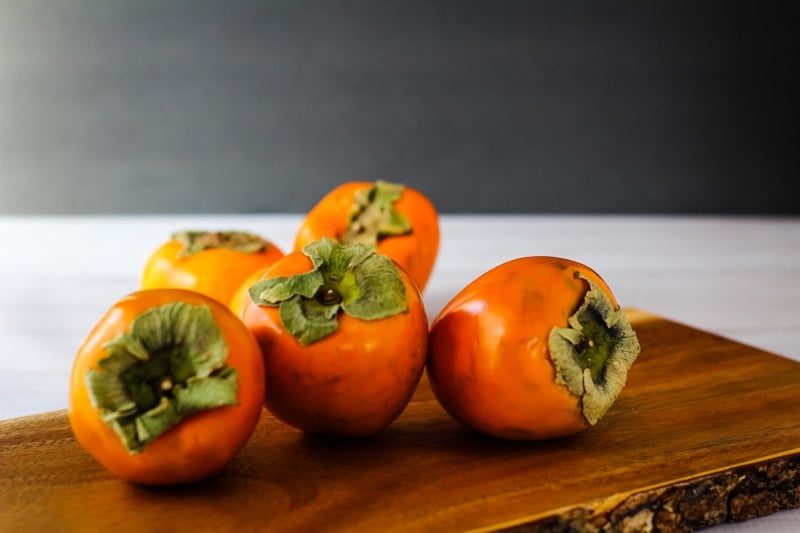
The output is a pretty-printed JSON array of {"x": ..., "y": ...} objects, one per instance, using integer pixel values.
[{"x": 706, "y": 431}]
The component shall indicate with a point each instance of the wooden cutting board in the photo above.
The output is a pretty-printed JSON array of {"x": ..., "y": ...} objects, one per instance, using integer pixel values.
[{"x": 706, "y": 431}]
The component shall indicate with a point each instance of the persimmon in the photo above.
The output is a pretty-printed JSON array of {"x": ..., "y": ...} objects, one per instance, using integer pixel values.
[
  {"x": 535, "y": 348},
  {"x": 242, "y": 294},
  {"x": 166, "y": 388},
  {"x": 215, "y": 263},
  {"x": 344, "y": 335},
  {"x": 398, "y": 220}
]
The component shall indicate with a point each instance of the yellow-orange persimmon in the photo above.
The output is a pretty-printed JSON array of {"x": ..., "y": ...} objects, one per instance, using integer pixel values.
[
  {"x": 399, "y": 220},
  {"x": 215, "y": 263},
  {"x": 536, "y": 347},
  {"x": 344, "y": 334},
  {"x": 166, "y": 388}
]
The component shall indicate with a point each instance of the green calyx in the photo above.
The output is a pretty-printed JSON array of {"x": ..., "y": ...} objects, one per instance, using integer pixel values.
[
  {"x": 593, "y": 354},
  {"x": 373, "y": 217},
  {"x": 348, "y": 278},
  {"x": 240, "y": 241},
  {"x": 167, "y": 367}
]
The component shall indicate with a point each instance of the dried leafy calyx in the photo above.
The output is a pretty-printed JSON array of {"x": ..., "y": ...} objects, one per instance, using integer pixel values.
[
  {"x": 373, "y": 216},
  {"x": 350, "y": 278},
  {"x": 167, "y": 367},
  {"x": 593, "y": 353},
  {"x": 240, "y": 241}
]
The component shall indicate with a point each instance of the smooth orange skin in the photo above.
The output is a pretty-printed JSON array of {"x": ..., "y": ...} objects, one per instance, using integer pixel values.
[
  {"x": 216, "y": 272},
  {"x": 200, "y": 445},
  {"x": 242, "y": 294},
  {"x": 488, "y": 360},
  {"x": 356, "y": 381},
  {"x": 415, "y": 252}
]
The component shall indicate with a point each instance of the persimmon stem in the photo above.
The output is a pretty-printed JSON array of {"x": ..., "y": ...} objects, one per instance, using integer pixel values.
[
  {"x": 349, "y": 278},
  {"x": 593, "y": 353},
  {"x": 168, "y": 366},
  {"x": 328, "y": 296},
  {"x": 166, "y": 385},
  {"x": 240, "y": 241},
  {"x": 373, "y": 216}
]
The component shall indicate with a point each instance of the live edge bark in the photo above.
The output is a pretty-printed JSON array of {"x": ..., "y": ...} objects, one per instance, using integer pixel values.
[{"x": 731, "y": 496}]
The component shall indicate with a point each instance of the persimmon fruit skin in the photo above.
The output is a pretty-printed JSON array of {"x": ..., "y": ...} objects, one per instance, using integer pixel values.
[
  {"x": 415, "y": 252},
  {"x": 488, "y": 359},
  {"x": 352, "y": 383},
  {"x": 199, "y": 446},
  {"x": 216, "y": 272}
]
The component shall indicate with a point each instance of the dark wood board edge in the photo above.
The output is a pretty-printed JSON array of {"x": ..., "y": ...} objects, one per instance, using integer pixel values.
[{"x": 733, "y": 495}]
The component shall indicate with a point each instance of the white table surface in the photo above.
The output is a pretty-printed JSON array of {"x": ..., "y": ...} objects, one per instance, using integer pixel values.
[{"x": 738, "y": 277}]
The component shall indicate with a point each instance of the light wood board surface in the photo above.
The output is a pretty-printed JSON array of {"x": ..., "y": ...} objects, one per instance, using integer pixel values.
[{"x": 706, "y": 431}]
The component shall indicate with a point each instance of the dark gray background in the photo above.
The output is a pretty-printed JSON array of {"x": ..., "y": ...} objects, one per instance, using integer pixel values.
[{"x": 176, "y": 106}]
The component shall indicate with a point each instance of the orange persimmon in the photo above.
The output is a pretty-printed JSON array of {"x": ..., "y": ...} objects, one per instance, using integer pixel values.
[
  {"x": 166, "y": 388},
  {"x": 399, "y": 220},
  {"x": 214, "y": 263},
  {"x": 536, "y": 347},
  {"x": 242, "y": 294},
  {"x": 344, "y": 334}
]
